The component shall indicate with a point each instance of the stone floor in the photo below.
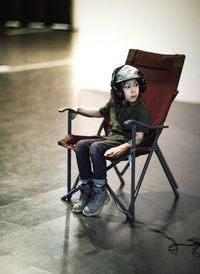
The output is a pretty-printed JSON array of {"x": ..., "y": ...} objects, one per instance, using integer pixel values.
[{"x": 38, "y": 232}]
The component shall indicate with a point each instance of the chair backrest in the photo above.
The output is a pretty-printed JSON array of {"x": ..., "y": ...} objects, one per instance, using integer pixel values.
[{"x": 162, "y": 73}]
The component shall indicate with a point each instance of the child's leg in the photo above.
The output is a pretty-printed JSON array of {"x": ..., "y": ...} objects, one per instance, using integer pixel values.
[
  {"x": 83, "y": 159},
  {"x": 85, "y": 197},
  {"x": 98, "y": 160},
  {"x": 85, "y": 173},
  {"x": 97, "y": 150}
]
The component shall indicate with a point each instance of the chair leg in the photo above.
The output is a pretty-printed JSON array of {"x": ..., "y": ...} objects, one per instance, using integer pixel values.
[
  {"x": 119, "y": 175},
  {"x": 73, "y": 190},
  {"x": 70, "y": 190},
  {"x": 76, "y": 182},
  {"x": 133, "y": 155},
  {"x": 132, "y": 202},
  {"x": 119, "y": 202},
  {"x": 70, "y": 193},
  {"x": 137, "y": 189},
  {"x": 125, "y": 168},
  {"x": 69, "y": 159},
  {"x": 167, "y": 171}
]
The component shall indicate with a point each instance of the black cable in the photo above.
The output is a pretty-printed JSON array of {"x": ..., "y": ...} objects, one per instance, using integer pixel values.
[{"x": 173, "y": 247}]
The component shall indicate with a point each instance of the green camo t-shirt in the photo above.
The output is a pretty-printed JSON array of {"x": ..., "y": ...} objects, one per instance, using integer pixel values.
[{"x": 136, "y": 110}]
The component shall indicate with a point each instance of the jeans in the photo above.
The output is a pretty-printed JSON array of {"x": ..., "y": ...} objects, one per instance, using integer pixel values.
[{"x": 91, "y": 160}]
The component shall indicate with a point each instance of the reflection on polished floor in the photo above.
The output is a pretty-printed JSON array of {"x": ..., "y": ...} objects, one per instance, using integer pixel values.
[{"x": 38, "y": 232}]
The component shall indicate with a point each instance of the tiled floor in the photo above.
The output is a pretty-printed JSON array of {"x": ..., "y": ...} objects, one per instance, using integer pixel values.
[{"x": 38, "y": 232}]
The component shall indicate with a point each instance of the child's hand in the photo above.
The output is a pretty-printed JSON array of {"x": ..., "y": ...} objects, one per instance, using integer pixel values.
[
  {"x": 110, "y": 152},
  {"x": 116, "y": 151}
]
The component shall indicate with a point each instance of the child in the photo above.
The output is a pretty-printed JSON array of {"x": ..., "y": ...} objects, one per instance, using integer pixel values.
[{"x": 126, "y": 86}]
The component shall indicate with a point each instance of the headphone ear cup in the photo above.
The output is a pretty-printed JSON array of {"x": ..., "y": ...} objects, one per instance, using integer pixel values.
[
  {"x": 114, "y": 78},
  {"x": 119, "y": 94},
  {"x": 117, "y": 90}
]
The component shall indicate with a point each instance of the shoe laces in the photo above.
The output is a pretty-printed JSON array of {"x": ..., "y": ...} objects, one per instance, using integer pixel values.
[{"x": 96, "y": 197}]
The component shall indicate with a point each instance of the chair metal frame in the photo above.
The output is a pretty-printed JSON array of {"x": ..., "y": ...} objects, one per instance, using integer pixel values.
[{"x": 133, "y": 152}]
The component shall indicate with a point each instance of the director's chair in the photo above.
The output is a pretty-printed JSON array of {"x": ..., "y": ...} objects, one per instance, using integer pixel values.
[{"x": 162, "y": 73}]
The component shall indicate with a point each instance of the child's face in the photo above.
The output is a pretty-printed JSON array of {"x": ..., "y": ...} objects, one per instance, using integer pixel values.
[{"x": 131, "y": 90}]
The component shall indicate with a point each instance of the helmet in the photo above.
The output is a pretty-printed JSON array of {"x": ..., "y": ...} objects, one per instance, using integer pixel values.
[{"x": 125, "y": 73}]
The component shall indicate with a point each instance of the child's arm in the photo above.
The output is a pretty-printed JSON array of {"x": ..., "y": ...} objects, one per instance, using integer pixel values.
[
  {"x": 116, "y": 151},
  {"x": 92, "y": 111}
]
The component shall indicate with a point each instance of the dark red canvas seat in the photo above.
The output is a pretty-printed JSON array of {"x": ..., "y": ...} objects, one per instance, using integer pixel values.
[{"x": 162, "y": 72}]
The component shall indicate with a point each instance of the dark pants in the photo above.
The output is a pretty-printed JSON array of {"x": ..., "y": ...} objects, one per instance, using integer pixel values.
[{"x": 91, "y": 160}]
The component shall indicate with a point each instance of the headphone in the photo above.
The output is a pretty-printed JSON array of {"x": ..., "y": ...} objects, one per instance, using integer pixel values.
[{"x": 116, "y": 88}]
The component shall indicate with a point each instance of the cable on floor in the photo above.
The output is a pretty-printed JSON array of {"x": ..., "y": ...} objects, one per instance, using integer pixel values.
[{"x": 174, "y": 246}]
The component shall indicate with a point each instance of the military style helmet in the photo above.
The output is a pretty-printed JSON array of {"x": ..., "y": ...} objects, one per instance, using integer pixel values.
[{"x": 125, "y": 73}]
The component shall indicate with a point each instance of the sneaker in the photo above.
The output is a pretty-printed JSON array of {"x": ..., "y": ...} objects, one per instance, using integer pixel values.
[
  {"x": 85, "y": 197},
  {"x": 100, "y": 199}
]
